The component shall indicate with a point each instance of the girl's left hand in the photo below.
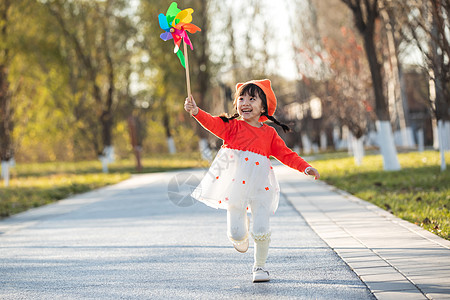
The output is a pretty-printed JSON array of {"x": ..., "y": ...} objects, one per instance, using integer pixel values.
[
  {"x": 190, "y": 106},
  {"x": 313, "y": 172}
]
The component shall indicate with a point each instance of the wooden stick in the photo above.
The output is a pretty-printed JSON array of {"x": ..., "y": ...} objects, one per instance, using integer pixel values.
[{"x": 186, "y": 62}]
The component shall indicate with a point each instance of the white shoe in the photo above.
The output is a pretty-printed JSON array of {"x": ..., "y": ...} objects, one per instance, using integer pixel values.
[
  {"x": 241, "y": 247},
  {"x": 260, "y": 275}
]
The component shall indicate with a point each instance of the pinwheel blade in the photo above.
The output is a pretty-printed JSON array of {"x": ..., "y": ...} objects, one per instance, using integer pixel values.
[
  {"x": 166, "y": 36},
  {"x": 172, "y": 11},
  {"x": 184, "y": 16},
  {"x": 191, "y": 28},
  {"x": 181, "y": 58},
  {"x": 163, "y": 22},
  {"x": 177, "y": 38},
  {"x": 187, "y": 40}
]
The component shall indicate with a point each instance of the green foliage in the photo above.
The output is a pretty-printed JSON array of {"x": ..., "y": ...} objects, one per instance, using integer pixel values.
[{"x": 419, "y": 193}]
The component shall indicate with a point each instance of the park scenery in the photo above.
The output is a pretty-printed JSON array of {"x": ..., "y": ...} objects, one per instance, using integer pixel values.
[{"x": 92, "y": 92}]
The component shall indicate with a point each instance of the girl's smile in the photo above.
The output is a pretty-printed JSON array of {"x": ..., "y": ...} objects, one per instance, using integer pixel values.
[{"x": 250, "y": 108}]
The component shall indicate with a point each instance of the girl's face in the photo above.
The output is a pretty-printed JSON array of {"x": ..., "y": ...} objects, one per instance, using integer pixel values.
[{"x": 250, "y": 108}]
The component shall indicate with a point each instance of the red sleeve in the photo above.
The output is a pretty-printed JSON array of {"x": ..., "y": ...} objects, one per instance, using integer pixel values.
[
  {"x": 215, "y": 125},
  {"x": 280, "y": 151}
]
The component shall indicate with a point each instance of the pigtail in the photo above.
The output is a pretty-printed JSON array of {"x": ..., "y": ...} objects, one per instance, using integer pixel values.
[
  {"x": 272, "y": 118},
  {"x": 226, "y": 119}
]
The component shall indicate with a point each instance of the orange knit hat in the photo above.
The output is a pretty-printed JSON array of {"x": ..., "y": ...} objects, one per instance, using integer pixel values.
[{"x": 265, "y": 85}]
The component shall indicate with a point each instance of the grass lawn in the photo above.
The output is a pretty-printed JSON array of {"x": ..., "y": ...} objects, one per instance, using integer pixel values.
[{"x": 419, "y": 193}]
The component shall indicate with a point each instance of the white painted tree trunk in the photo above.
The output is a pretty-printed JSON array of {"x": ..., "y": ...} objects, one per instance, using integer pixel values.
[
  {"x": 336, "y": 137},
  {"x": 107, "y": 157},
  {"x": 5, "y": 172},
  {"x": 205, "y": 151},
  {"x": 442, "y": 143},
  {"x": 387, "y": 146},
  {"x": 407, "y": 137},
  {"x": 358, "y": 150},
  {"x": 323, "y": 141},
  {"x": 350, "y": 139},
  {"x": 104, "y": 161},
  {"x": 447, "y": 135},
  {"x": 171, "y": 145},
  {"x": 315, "y": 148},
  {"x": 307, "y": 147},
  {"x": 420, "y": 140}
]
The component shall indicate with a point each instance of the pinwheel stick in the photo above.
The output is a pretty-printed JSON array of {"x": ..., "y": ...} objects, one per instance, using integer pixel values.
[{"x": 186, "y": 60}]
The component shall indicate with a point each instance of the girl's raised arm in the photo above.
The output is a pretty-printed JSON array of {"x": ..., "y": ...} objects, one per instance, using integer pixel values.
[{"x": 213, "y": 124}]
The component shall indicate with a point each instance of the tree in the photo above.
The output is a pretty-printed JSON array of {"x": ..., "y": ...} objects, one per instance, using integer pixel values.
[
  {"x": 425, "y": 24},
  {"x": 310, "y": 64},
  {"x": 366, "y": 14},
  {"x": 390, "y": 45},
  {"x": 347, "y": 91},
  {"x": 12, "y": 46},
  {"x": 6, "y": 124},
  {"x": 95, "y": 32},
  {"x": 166, "y": 81}
]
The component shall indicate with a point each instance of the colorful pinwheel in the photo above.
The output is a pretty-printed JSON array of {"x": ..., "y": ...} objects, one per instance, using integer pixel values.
[{"x": 176, "y": 24}]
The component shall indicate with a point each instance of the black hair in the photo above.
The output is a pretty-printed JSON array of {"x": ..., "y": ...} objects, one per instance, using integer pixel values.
[{"x": 252, "y": 90}]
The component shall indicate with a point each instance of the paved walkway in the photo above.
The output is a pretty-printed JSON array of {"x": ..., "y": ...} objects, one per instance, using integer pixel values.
[{"x": 143, "y": 239}]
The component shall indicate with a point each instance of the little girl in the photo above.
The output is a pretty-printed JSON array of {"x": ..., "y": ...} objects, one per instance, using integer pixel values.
[{"x": 241, "y": 178}]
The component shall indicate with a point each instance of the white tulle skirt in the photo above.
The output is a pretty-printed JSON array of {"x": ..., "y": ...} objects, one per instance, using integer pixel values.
[{"x": 239, "y": 179}]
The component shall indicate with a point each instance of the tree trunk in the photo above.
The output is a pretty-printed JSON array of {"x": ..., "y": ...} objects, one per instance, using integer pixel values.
[
  {"x": 386, "y": 143},
  {"x": 385, "y": 137},
  {"x": 442, "y": 143},
  {"x": 439, "y": 103},
  {"x": 306, "y": 142},
  {"x": 137, "y": 149},
  {"x": 106, "y": 118},
  {"x": 358, "y": 149},
  {"x": 6, "y": 122},
  {"x": 393, "y": 72},
  {"x": 5, "y": 172},
  {"x": 365, "y": 21},
  {"x": 381, "y": 108},
  {"x": 166, "y": 124}
]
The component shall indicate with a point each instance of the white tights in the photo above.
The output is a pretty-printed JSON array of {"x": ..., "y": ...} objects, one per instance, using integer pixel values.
[{"x": 238, "y": 230}]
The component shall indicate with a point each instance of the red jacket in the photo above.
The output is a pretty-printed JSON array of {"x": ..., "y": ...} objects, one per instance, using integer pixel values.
[{"x": 239, "y": 135}]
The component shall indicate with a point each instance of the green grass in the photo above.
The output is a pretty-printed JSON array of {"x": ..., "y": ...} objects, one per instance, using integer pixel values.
[
  {"x": 419, "y": 193},
  {"x": 37, "y": 184}
]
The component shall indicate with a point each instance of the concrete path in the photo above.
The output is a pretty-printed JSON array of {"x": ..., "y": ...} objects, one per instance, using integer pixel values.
[{"x": 144, "y": 239}]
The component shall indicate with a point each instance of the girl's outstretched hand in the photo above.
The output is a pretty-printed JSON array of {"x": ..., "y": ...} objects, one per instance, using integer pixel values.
[
  {"x": 313, "y": 172},
  {"x": 190, "y": 106}
]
